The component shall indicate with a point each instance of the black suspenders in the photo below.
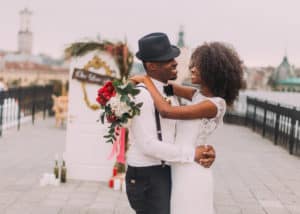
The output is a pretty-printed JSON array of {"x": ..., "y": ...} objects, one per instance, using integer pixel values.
[
  {"x": 158, "y": 127},
  {"x": 158, "y": 130}
]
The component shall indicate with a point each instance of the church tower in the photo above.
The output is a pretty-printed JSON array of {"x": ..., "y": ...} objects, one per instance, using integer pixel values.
[
  {"x": 184, "y": 57},
  {"x": 25, "y": 35},
  {"x": 180, "y": 42}
]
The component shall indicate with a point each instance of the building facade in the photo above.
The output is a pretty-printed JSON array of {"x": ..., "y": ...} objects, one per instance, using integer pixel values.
[
  {"x": 284, "y": 77},
  {"x": 21, "y": 68},
  {"x": 257, "y": 77},
  {"x": 22, "y": 74}
]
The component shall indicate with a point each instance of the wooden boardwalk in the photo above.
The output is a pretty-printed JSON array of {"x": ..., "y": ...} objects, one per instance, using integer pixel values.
[{"x": 251, "y": 175}]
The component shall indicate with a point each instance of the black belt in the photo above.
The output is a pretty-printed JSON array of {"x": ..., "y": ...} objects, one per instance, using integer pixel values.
[{"x": 146, "y": 170}]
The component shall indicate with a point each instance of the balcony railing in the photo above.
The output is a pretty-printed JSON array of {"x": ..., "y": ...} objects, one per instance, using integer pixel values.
[
  {"x": 280, "y": 124},
  {"x": 21, "y": 105}
]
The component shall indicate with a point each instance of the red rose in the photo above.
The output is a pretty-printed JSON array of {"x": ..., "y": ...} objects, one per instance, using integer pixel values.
[
  {"x": 105, "y": 93},
  {"x": 111, "y": 118},
  {"x": 109, "y": 87},
  {"x": 101, "y": 100},
  {"x": 100, "y": 91}
]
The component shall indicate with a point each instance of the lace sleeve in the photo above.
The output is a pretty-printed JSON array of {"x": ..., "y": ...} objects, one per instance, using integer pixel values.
[{"x": 221, "y": 106}]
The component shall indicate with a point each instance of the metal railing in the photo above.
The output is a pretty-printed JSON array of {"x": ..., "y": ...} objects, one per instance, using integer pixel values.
[
  {"x": 280, "y": 124},
  {"x": 20, "y": 105}
]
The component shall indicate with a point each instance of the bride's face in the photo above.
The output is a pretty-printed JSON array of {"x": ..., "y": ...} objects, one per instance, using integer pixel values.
[{"x": 195, "y": 74}]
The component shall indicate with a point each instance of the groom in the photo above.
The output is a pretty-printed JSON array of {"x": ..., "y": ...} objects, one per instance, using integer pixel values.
[{"x": 148, "y": 177}]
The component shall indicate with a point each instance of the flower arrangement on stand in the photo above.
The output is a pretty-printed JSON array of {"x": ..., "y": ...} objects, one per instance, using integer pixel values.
[
  {"x": 117, "y": 102},
  {"x": 119, "y": 51},
  {"x": 116, "y": 98}
]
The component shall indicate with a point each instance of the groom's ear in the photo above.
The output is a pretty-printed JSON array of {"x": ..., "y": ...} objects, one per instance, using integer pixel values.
[
  {"x": 151, "y": 66},
  {"x": 148, "y": 66}
]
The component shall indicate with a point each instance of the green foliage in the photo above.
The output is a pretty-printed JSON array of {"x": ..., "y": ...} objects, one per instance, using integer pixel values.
[{"x": 81, "y": 48}]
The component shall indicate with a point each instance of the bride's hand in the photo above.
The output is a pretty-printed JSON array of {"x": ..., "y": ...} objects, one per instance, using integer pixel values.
[
  {"x": 209, "y": 156},
  {"x": 137, "y": 79},
  {"x": 205, "y": 155}
]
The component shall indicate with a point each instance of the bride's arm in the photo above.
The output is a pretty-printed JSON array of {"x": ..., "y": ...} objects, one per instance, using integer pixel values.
[
  {"x": 183, "y": 91},
  {"x": 205, "y": 109},
  {"x": 179, "y": 90}
]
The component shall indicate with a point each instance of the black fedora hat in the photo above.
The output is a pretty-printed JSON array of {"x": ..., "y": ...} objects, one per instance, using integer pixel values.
[{"x": 156, "y": 47}]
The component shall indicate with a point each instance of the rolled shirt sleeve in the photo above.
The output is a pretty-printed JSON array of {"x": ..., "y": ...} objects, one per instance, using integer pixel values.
[{"x": 143, "y": 131}]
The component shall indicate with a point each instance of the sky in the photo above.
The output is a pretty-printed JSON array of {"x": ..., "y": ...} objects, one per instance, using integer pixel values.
[{"x": 261, "y": 31}]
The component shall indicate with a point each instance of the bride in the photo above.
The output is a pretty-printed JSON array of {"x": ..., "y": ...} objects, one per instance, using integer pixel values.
[{"x": 217, "y": 69}]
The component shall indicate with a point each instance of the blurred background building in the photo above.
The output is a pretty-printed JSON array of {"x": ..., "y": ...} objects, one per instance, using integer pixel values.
[{"x": 21, "y": 68}]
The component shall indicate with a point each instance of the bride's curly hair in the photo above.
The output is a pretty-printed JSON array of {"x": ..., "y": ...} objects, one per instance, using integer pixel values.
[{"x": 220, "y": 69}]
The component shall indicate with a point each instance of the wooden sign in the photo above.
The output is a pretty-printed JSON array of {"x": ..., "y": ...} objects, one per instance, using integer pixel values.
[{"x": 90, "y": 77}]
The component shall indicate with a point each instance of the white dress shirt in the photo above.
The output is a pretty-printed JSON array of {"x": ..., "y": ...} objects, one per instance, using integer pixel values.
[{"x": 144, "y": 147}]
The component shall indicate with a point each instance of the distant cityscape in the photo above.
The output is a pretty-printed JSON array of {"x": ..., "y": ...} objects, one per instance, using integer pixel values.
[{"x": 22, "y": 68}]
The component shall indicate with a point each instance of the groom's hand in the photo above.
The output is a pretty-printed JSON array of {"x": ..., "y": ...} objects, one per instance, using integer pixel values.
[
  {"x": 205, "y": 155},
  {"x": 137, "y": 79}
]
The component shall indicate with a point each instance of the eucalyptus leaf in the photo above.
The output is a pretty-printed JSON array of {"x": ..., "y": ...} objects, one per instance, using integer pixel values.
[
  {"x": 102, "y": 118},
  {"x": 139, "y": 105},
  {"x": 135, "y": 92},
  {"x": 109, "y": 141},
  {"x": 119, "y": 91}
]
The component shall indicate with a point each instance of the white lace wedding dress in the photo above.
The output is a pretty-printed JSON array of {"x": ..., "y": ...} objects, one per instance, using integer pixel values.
[{"x": 192, "y": 184}]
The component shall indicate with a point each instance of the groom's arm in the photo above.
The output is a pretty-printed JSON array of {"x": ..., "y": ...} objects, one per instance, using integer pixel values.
[{"x": 143, "y": 129}]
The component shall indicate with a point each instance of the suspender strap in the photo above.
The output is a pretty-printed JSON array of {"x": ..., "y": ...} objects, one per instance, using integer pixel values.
[
  {"x": 158, "y": 126},
  {"x": 158, "y": 130},
  {"x": 157, "y": 119}
]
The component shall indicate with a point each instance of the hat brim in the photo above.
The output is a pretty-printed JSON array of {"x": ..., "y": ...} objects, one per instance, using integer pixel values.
[{"x": 173, "y": 53}]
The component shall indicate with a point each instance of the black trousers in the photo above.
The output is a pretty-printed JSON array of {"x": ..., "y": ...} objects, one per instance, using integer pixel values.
[{"x": 149, "y": 189}]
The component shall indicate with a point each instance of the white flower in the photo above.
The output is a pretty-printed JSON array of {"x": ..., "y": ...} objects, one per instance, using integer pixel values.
[{"x": 117, "y": 106}]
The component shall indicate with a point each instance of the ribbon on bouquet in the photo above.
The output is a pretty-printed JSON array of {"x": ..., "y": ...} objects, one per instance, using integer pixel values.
[{"x": 118, "y": 148}]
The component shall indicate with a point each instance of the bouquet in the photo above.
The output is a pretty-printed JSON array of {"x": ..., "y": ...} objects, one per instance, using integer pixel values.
[{"x": 117, "y": 102}]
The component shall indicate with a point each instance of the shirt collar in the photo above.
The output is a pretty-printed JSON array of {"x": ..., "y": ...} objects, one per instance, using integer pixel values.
[{"x": 159, "y": 85}]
